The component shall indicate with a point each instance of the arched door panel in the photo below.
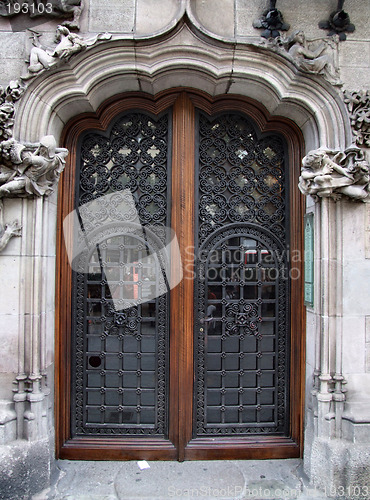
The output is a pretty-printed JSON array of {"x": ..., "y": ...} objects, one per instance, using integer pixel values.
[{"x": 211, "y": 368}]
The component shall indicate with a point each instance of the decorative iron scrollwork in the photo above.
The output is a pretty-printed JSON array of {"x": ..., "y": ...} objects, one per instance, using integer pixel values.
[
  {"x": 120, "y": 370},
  {"x": 241, "y": 295}
]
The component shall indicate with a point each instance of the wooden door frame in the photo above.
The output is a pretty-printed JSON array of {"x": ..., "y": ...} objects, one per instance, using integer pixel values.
[{"x": 180, "y": 445}]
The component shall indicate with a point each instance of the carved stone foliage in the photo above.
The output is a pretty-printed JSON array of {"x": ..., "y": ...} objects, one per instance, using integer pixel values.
[
  {"x": 358, "y": 104},
  {"x": 331, "y": 174},
  {"x": 8, "y": 97},
  {"x": 318, "y": 57},
  {"x": 338, "y": 23},
  {"x": 70, "y": 9},
  {"x": 7, "y": 232},
  {"x": 67, "y": 44},
  {"x": 271, "y": 22}
]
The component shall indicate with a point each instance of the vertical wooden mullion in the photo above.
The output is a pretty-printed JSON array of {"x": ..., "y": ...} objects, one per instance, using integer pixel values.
[
  {"x": 182, "y": 306},
  {"x": 63, "y": 310}
]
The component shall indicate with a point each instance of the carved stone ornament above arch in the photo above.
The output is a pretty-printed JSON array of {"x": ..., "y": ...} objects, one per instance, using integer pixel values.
[{"x": 183, "y": 56}]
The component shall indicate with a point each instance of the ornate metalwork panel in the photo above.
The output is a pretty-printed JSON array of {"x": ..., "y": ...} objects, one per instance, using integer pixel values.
[
  {"x": 242, "y": 288},
  {"x": 119, "y": 380}
]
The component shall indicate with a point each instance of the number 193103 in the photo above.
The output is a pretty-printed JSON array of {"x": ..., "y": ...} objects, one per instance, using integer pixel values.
[{"x": 29, "y": 8}]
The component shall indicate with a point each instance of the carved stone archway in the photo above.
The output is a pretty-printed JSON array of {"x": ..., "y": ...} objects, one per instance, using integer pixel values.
[{"x": 183, "y": 57}]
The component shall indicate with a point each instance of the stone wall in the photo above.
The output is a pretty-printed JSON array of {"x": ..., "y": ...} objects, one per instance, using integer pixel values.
[{"x": 217, "y": 50}]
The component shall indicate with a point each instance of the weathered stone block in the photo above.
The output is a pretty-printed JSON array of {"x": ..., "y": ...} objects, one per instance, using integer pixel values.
[
  {"x": 9, "y": 341},
  {"x": 24, "y": 469},
  {"x": 355, "y": 78},
  {"x": 155, "y": 15},
  {"x": 113, "y": 16},
  {"x": 217, "y": 16},
  {"x": 354, "y": 54},
  {"x": 7, "y": 422},
  {"x": 9, "y": 278},
  {"x": 245, "y": 13},
  {"x": 353, "y": 345}
]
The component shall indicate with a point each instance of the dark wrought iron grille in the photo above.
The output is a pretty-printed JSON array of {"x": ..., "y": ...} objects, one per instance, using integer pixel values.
[
  {"x": 242, "y": 290},
  {"x": 119, "y": 378}
]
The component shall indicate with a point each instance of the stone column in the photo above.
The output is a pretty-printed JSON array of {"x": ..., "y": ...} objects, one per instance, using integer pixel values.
[
  {"x": 32, "y": 172},
  {"x": 334, "y": 454}
]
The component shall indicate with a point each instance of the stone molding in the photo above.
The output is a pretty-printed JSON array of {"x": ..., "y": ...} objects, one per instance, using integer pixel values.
[
  {"x": 332, "y": 174},
  {"x": 184, "y": 57}
]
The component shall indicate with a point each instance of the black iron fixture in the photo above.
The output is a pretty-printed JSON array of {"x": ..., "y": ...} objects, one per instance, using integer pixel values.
[
  {"x": 240, "y": 296},
  {"x": 271, "y": 22},
  {"x": 339, "y": 23}
]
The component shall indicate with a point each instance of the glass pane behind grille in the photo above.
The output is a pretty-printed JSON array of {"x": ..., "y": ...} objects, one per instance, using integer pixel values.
[
  {"x": 119, "y": 381},
  {"x": 242, "y": 290}
]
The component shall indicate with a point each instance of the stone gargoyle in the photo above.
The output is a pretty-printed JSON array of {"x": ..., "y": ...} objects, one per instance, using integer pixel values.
[
  {"x": 27, "y": 171},
  {"x": 332, "y": 174}
]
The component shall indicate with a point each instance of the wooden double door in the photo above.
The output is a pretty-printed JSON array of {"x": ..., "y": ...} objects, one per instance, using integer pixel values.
[{"x": 199, "y": 356}]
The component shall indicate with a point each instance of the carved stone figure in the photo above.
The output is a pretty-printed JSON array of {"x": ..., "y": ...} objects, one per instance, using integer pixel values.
[
  {"x": 24, "y": 174},
  {"x": 358, "y": 104},
  {"x": 330, "y": 174},
  {"x": 67, "y": 44},
  {"x": 314, "y": 56},
  {"x": 70, "y": 9},
  {"x": 315, "y": 60}
]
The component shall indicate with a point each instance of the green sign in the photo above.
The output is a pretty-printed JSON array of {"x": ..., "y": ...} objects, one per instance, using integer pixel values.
[{"x": 308, "y": 259}]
